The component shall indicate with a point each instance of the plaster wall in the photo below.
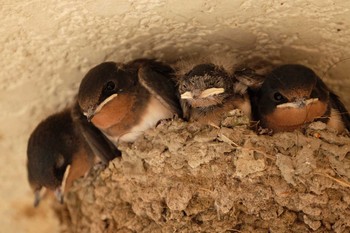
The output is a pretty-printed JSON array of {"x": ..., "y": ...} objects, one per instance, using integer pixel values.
[{"x": 47, "y": 46}]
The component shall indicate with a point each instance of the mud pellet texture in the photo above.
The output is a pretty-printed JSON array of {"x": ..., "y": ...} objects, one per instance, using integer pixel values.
[{"x": 184, "y": 177}]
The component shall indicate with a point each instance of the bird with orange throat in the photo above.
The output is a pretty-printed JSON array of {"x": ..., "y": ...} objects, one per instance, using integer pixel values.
[
  {"x": 291, "y": 96},
  {"x": 124, "y": 100}
]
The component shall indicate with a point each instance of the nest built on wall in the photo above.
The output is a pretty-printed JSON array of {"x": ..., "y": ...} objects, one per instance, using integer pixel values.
[{"x": 184, "y": 177}]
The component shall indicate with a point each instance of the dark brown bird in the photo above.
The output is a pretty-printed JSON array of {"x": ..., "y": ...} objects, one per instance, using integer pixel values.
[
  {"x": 208, "y": 92},
  {"x": 124, "y": 100},
  {"x": 58, "y": 143},
  {"x": 291, "y": 96}
]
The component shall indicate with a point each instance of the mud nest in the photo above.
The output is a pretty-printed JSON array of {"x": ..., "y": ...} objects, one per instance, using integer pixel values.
[{"x": 184, "y": 177}]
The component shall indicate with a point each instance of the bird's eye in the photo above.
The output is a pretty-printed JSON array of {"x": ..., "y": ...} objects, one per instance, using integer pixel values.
[
  {"x": 110, "y": 86},
  {"x": 278, "y": 97}
]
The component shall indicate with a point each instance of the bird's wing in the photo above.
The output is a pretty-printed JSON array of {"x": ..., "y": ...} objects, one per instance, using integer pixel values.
[
  {"x": 249, "y": 78},
  {"x": 339, "y": 106},
  {"x": 158, "y": 79}
]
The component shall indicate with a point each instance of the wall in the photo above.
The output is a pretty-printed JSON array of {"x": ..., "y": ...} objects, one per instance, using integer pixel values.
[{"x": 47, "y": 46}]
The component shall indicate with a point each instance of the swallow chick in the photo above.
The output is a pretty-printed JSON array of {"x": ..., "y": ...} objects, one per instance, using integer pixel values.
[
  {"x": 208, "y": 91},
  {"x": 54, "y": 145},
  {"x": 124, "y": 100},
  {"x": 291, "y": 96}
]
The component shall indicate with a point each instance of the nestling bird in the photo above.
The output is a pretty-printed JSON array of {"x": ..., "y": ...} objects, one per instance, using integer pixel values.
[
  {"x": 208, "y": 91},
  {"x": 58, "y": 143},
  {"x": 124, "y": 100},
  {"x": 51, "y": 148},
  {"x": 292, "y": 96}
]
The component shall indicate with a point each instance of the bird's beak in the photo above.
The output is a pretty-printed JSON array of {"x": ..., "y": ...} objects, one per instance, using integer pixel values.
[
  {"x": 211, "y": 91},
  {"x": 37, "y": 198},
  {"x": 64, "y": 180},
  {"x": 204, "y": 94},
  {"x": 93, "y": 111},
  {"x": 299, "y": 103},
  {"x": 90, "y": 114},
  {"x": 59, "y": 195},
  {"x": 187, "y": 95}
]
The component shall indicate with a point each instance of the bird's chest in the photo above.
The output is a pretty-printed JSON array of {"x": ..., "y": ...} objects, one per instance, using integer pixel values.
[
  {"x": 214, "y": 114},
  {"x": 115, "y": 112},
  {"x": 289, "y": 119},
  {"x": 137, "y": 120}
]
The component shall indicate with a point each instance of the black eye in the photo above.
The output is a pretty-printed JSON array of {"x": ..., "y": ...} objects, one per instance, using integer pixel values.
[
  {"x": 109, "y": 87},
  {"x": 278, "y": 97}
]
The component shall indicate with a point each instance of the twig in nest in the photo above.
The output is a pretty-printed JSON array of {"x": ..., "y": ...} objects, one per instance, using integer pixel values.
[
  {"x": 224, "y": 138},
  {"x": 206, "y": 190},
  {"x": 341, "y": 182},
  {"x": 227, "y": 140},
  {"x": 214, "y": 125}
]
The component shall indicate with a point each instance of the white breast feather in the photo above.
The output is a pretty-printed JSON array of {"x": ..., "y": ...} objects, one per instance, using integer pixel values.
[{"x": 155, "y": 112}]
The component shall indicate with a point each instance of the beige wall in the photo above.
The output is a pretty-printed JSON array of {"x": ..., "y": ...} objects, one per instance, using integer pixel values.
[{"x": 46, "y": 46}]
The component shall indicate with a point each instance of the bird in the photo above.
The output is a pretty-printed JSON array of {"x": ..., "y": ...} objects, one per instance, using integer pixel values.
[
  {"x": 58, "y": 152},
  {"x": 291, "y": 96},
  {"x": 208, "y": 91},
  {"x": 51, "y": 148},
  {"x": 124, "y": 100}
]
